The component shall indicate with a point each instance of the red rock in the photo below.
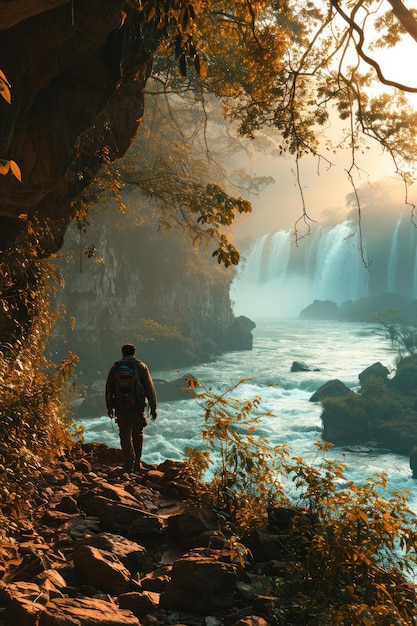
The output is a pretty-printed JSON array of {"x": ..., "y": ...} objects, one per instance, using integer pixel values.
[
  {"x": 85, "y": 611},
  {"x": 101, "y": 569}
]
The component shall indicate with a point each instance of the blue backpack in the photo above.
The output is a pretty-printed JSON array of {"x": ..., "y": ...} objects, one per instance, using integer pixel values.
[{"x": 127, "y": 388}]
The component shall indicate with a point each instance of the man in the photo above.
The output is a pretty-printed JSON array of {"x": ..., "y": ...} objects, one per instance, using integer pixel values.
[{"x": 129, "y": 385}]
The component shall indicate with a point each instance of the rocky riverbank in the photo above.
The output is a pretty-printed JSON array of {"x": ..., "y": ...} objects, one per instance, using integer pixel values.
[{"x": 104, "y": 548}]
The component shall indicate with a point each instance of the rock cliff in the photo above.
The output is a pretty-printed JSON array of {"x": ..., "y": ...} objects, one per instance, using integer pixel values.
[
  {"x": 77, "y": 70},
  {"x": 152, "y": 288}
]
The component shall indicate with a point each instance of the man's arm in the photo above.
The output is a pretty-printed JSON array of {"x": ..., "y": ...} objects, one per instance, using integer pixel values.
[{"x": 149, "y": 388}]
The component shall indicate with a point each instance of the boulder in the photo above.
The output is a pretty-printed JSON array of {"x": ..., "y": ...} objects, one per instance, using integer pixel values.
[
  {"x": 239, "y": 334},
  {"x": 102, "y": 570},
  {"x": 266, "y": 544},
  {"x": 202, "y": 583},
  {"x": 86, "y": 611},
  {"x": 92, "y": 406},
  {"x": 377, "y": 370},
  {"x": 177, "y": 389},
  {"x": 332, "y": 389},
  {"x": 321, "y": 310},
  {"x": 299, "y": 366},
  {"x": 189, "y": 529},
  {"x": 133, "y": 556},
  {"x": 141, "y": 604}
]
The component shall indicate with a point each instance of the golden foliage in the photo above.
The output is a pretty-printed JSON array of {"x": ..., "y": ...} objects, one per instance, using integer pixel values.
[
  {"x": 349, "y": 548},
  {"x": 35, "y": 422}
]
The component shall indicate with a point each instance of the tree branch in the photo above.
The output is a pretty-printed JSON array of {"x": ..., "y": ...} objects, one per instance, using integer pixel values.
[
  {"x": 359, "y": 45},
  {"x": 405, "y": 17}
]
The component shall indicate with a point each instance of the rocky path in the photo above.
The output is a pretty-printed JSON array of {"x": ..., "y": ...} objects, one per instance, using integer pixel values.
[{"x": 104, "y": 548}]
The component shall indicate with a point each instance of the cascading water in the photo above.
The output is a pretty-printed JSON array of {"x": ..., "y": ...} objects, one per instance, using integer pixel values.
[
  {"x": 393, "y": 258},
  {"x": 279, "y": 278},
  {"x": 339, "y": 273}
]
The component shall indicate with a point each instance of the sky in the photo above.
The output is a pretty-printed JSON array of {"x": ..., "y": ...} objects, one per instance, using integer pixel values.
[{"x": 326, "y": 189}]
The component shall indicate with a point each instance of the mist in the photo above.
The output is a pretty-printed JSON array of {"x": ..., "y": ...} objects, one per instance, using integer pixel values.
[{"x": 344, "y": 257}]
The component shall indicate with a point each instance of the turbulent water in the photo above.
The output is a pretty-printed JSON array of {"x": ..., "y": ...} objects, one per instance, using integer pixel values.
[{"x": 339, "y": 350}]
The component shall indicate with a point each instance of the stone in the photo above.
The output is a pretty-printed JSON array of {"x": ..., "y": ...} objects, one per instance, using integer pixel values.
[
  {"x": 238, "y": 336},
  {"x": 24, "y": 602},
  {"x": 186, "y": 528},
  {"x": 86, "y": 611},
  {"x": 53, "y": 576},
  {"x": 267, "y": 544},
  {"x": 299, "y": 366},
  {"x": 31, "y": 565},
  {"x": 139, "y": 603},
  {"x": 201, "y": 583},
  {"x": 252, "y": 620},
  {"x": 68, "y": 504},
  {"x": 332, "y": 389},
  {"x": 133, "y": 556},
  {"x": 101, "y": 569},
  {"x": 178, "y": 389},
  {"x": 377, "y": 370},
  {"x": 157, "y": 580}
]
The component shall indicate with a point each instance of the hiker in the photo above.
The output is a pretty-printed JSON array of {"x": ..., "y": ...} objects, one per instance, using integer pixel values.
[{"x": 129, "y": 385}]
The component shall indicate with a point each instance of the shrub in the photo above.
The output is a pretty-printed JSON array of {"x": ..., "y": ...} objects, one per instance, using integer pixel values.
[
  {"x": 35, "y": 426},
  {"x": 350, "y": 547},
  {"x": 242, "y": 466},
  {"x": 351, "y": 555}
]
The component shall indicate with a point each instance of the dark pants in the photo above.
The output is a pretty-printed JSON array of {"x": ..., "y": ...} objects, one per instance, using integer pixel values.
[{"x": 131, "y": 425}]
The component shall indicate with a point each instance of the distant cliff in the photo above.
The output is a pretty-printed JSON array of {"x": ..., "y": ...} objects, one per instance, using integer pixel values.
[{"x": 152, "y": 288}]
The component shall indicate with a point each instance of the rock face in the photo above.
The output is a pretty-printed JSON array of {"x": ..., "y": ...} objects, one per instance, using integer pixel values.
[
  {"x": 153, "y": 288},
  {"x": 77, "y": 70}
]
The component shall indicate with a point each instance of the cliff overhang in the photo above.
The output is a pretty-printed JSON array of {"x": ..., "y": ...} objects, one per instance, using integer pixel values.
[{"x": 77, "y": 71}]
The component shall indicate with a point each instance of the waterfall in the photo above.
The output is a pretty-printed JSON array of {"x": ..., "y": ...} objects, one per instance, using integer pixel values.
[
  {"x": 414, "y": 292},
  {"x": 279, "y": 278},
  {"x": 339, "y": 272},
  {"x": 393, "y": 258}
]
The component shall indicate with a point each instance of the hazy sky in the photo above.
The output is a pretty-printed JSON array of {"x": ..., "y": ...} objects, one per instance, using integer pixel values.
[{"x": 325, "y": 189}]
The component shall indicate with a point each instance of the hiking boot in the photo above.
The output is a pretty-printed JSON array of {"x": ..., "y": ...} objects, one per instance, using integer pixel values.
[
  {"x": 128, "y": 468},
  {"x": 137, "y": 465}
]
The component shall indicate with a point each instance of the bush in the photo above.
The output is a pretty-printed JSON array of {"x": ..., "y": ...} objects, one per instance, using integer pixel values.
[
  {"x": 35, "y": 427},
  {"x": 243, "y": 468},
  {"x": 351, "y": 547}
]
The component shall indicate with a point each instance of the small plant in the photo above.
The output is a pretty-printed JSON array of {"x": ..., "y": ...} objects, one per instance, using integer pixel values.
[
  {"x": 8, "y": 166},
  {"x": 35, "y": 424},
  {"x": 243, "y": 467},
  {"x": 354, "y": 548},
  {"x": 403, "y": 336}
]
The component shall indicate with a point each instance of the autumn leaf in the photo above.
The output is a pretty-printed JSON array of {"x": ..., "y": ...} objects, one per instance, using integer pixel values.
[{"x": 15, "y": 169}]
